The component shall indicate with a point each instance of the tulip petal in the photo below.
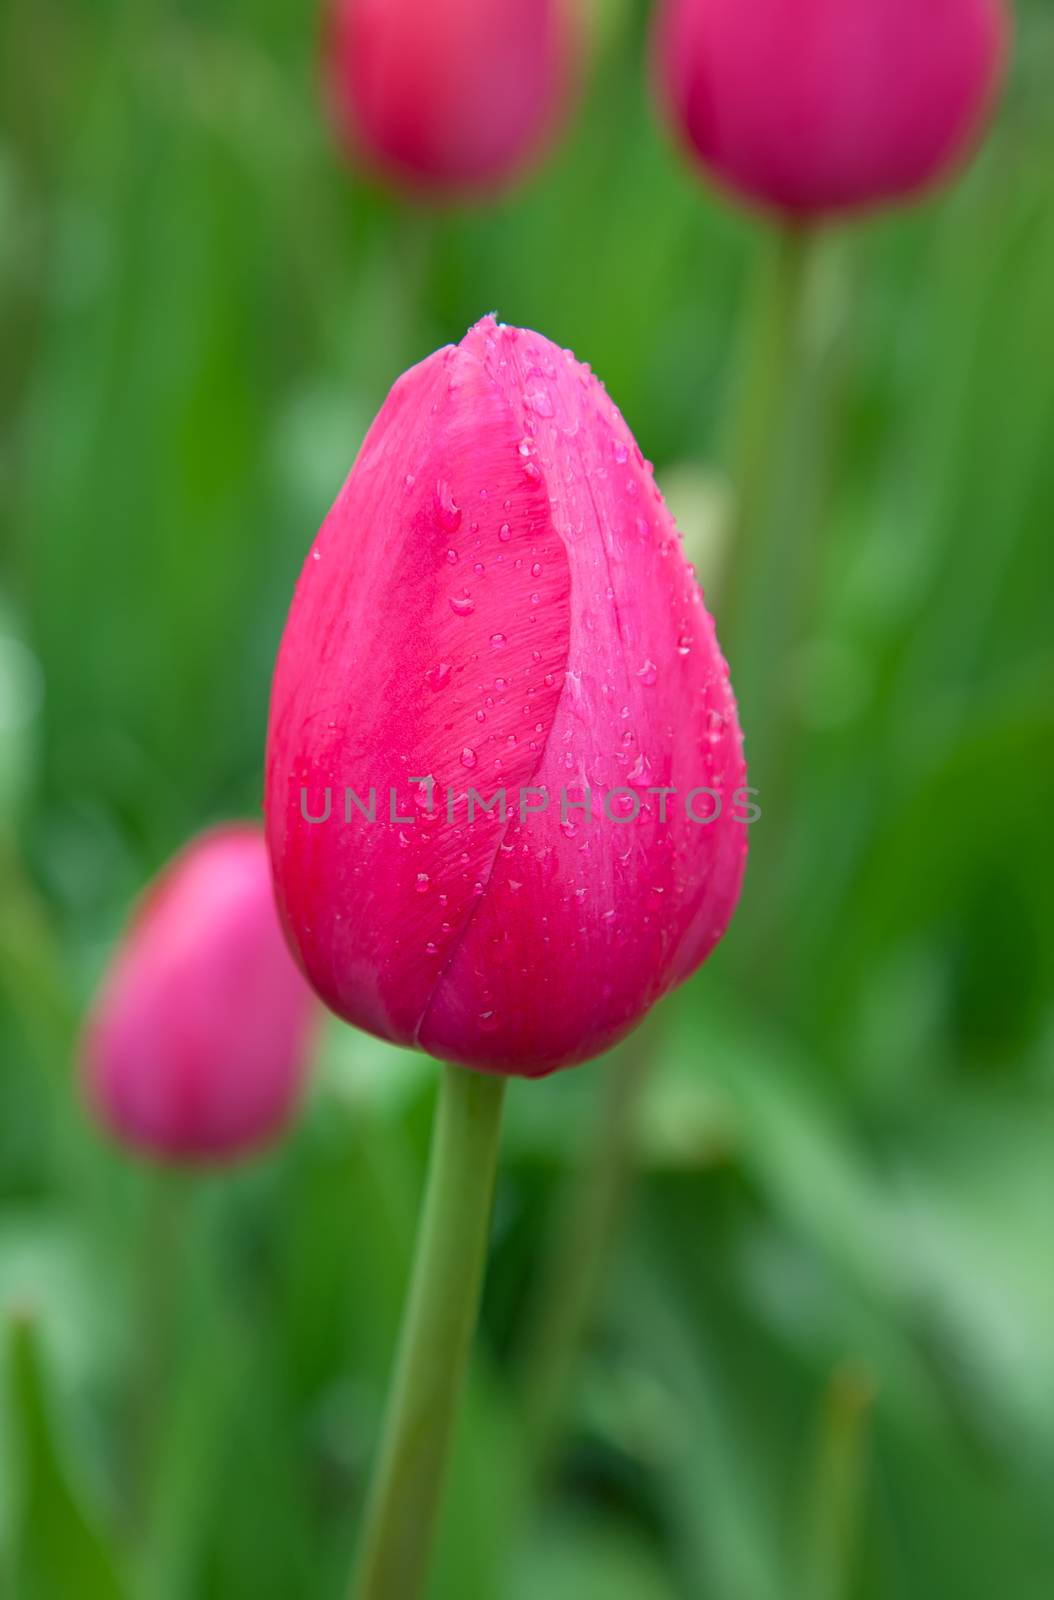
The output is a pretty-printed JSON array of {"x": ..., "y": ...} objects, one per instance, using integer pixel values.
[
  {"x": 629, "y": 904},
  {"x": 428, "y": 640},
  {"x": 499, "y": 598},
  {"x": 196, "y": 1045},
  {"x": 450, "y": 95},
  {"x": 822, "y": 106}
]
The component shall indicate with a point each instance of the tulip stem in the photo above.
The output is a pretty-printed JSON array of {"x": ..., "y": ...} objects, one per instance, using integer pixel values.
[
  {"x": 771, "y": 354},
  {"x": 438, "y": 1324},
  {"x": 836, "y": 1485},
  {"x": 789, "y": 423},
  {"x": 160, "y": 1269}
]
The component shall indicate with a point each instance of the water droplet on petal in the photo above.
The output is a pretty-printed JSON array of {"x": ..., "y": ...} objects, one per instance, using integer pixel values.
[
  {"x": 639, "y": 775},
  {"x": 648, "y": 674},
  {"x": 498, "y": 641},
  {"x": 462, "y": 605},
  {"x": 439, "y": 675},
  {"x": 423, "y": 883},
  {"x": 540, "y": 403},
  {"x": 468, "y": 757},
  {"x": 448, "y": 515}
]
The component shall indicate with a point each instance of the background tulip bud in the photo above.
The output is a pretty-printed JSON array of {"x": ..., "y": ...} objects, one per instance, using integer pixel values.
[
  {"x": 196, "y": 1045},
  {"x": 817, "y": 106},
  {"x": 499, "y": 599},
  {"x": 449, "y": 94}
]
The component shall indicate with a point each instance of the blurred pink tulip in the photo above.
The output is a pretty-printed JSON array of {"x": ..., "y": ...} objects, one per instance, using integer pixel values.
[
  {"x": 196, "y": 1046},
  {"x": 817, "y": 106},
  {"x": 450, "y": 95},
  {"x": 499, "y": 600}
]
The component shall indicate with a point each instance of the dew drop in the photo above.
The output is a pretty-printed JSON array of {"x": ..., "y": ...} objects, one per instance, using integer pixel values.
[
  {"x": 424, "y": 883},
  {"x": 540, "y": 403},
  {"x": 639, "y": 775},
  {"x": 498, "y": 641},
  {"x": 462, "y": 605},
  {"x": 468, "y": 757},
  {"x": 439, "y": 675},
  {"x": 648, "y": 674},
  {"x": 448, "y": 514}
]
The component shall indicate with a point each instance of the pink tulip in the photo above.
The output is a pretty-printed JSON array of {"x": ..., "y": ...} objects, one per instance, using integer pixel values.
[
  {"x": 818, "y": 106},
  {"x": 196, "y": 1045},
  {"x": 499, "y": 601},
  {"x": 448, "y": 95}
]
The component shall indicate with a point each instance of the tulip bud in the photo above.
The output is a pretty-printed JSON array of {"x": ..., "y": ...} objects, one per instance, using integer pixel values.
[
  {"x": 196, "y": 1045},
  {"x": 449, "y": 94},
  {"x": 811, "y": 107},
  {"x": 498, "y": 611}
]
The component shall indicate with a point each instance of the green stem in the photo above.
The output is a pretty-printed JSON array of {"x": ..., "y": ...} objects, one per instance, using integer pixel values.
[
  {"x": 836, "y": 1486},
  {"x": 789, "y": 427},
  {"x": 769, "y": 362},
  {"x": 581, "y": 1243},
  {"x": 160, "y": 1281},
  {"x": 438, "y": 1325}
]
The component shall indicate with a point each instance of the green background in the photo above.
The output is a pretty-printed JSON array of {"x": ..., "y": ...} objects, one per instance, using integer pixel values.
[{"x": 822, "y": 1360}]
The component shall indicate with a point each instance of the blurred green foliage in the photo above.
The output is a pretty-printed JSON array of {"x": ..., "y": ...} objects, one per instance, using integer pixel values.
[{"x": 824, "y": 1361}]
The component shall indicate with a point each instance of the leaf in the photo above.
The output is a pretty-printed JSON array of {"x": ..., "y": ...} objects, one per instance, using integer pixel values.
[{"x": 59, "y": 1548}]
